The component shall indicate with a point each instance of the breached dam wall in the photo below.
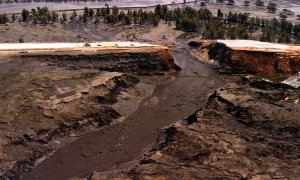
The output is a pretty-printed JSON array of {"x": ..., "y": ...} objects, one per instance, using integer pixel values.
[{"x": 251, "y": 56}]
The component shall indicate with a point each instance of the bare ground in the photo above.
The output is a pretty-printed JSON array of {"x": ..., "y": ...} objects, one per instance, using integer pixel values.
[{"x": 241, "y": 131}]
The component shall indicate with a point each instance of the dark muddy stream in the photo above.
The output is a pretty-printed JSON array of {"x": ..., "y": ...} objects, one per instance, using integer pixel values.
[{"x": 119, "y": 144}]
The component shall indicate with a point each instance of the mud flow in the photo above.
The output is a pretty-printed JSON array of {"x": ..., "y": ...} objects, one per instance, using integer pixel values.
[{"x": 174, "y": 97}]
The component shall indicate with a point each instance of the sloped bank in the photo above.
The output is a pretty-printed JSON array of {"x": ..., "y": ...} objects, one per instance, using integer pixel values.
[
  {"x": 174, "y": 97},
  {"x": 241, "y": 133},
  {"x": 250, "y": 56},
  {"x": 52, "y": 121},
  {"x": 249, "y": 129},
  {"x": 118, "y": 56}
]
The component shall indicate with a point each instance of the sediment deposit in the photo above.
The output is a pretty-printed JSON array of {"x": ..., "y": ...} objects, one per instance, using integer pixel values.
[{"x": 242, "y": 132}]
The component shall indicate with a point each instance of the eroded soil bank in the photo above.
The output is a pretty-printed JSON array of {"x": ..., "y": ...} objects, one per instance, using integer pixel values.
[
  {"x": 119, "y": 145},
  {"x": 248, "y": 129},
  {"x": 47, "y": 100},
  {"x": 242, "y": 132}
]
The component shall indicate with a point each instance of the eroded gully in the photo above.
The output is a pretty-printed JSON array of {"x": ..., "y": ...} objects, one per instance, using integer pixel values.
[{"x": 119, "y": 144}]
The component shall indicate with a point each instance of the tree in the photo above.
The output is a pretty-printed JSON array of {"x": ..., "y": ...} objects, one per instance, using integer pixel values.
[
  {"x": 107, "y": 11},
  {"x": 115, "y": 11},
  {"x": 73, "y": 16},
  {"x": 25, "y": 15},
  {"x": 220, "y": 14},
  {"x": 43, "y": 15},
  {"x": 157, "y": 11},
  {"x": 259, "y": 3},
  {"x": 230, "y": 2},
  {"x": 54, "y": 16},
  {"x": 246, "y": 3},
  {"x": 98, "y": 12},
  {"x": 86, "y": 11},
  {"x": 91, "y": 12},
  {"x": 64, "y": 17},
  {"x": 155, "y": 21},
  {"x": 272, "y": 7},
  {"x": 13, "y": 17},
  {"x": 128, "y": 19},
  {"x": 21, "y": 39},
  {"x": 3, "y": 18}
]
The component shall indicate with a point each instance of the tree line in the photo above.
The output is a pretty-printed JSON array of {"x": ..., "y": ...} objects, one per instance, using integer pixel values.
[{"x": 203, "y": 21}]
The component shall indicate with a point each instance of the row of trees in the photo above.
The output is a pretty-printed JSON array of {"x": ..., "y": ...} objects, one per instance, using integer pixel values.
[
  {"x": 231, "y": 25},
  {"x": 3, "y": 18},
  {"x": 113, "y": 16},
  {"x": 271, "y": 5},
  {"x": 39, "y": 15}
]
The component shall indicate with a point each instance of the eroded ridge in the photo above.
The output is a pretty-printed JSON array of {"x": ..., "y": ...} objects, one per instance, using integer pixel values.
[{"x": 250, "y": 56}]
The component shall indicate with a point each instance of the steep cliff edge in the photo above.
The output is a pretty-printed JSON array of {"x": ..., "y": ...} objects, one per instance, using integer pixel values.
[
  {"x": 137, "y": 59},
  {"x": 250, "y": 56}
]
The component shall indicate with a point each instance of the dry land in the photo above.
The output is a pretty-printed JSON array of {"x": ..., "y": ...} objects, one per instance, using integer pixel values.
[{"x": 172, "y": 111}]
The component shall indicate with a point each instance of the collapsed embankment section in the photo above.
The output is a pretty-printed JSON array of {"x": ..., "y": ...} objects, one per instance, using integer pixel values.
[
  {"x": 242, "y": 132},
  {"x": 49, "y": 96},
  {"x": 39, "y": 111},
  {"x": 251, "y": 56},
  {"x": 126, "y": 58}
]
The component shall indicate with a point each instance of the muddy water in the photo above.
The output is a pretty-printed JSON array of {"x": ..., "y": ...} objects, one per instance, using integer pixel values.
[{"x": 116, "y": 145}]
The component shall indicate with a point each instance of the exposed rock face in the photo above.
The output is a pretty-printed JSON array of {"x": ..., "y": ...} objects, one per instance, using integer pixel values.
[
  {"x": 131, "y": 59},
  {"x": 251, "y": 56}
]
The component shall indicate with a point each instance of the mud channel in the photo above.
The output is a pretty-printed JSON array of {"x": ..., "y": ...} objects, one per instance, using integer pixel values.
[{"x": 117, "y": 145}]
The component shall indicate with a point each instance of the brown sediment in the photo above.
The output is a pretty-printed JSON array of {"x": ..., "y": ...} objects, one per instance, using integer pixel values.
[
  {"x": 120, "y": 144},
  {"x": 240, "y": 133},
  {"x": 266, "y": 61}
]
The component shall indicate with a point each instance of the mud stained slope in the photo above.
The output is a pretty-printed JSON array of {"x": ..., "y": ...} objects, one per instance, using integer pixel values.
[
  {"x": 112, "y": 146},
  {"x": 232, "y": 137},
  {"x": 42, "y": 103}
]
